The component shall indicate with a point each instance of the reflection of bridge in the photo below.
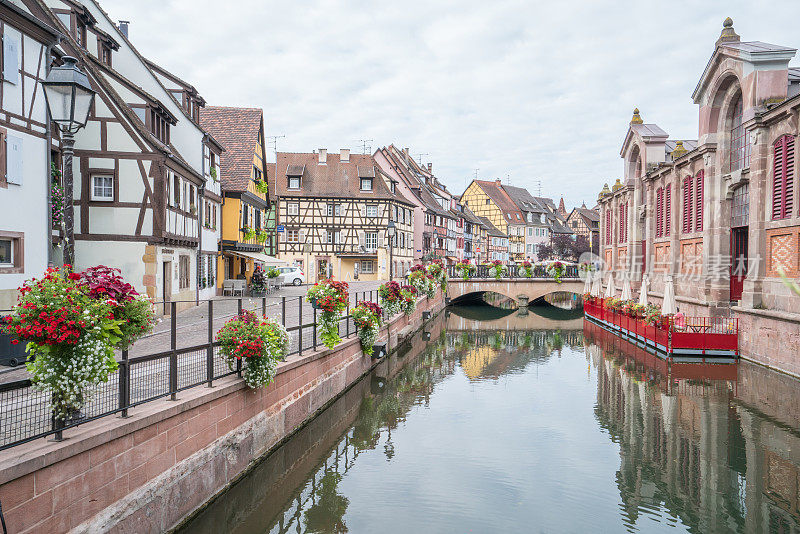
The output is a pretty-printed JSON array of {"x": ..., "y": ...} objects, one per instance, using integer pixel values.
[
  {"x": 518, "y": 320},
  {"x": 523, "y": 290}
]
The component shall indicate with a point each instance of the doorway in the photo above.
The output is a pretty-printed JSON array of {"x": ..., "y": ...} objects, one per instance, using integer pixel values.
[
  {"x": 738, "y": 261},
  {"x": 166, "y": 274},
  {"x": 322, "y": 270}
]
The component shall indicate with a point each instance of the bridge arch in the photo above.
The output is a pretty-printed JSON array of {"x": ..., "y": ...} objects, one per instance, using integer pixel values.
[{"x": 522, "y": 290}]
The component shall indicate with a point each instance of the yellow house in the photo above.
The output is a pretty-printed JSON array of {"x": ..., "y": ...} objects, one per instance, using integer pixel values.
[
  {"x": 488, "y": 199},
  {"x": 245, "y": 232}
]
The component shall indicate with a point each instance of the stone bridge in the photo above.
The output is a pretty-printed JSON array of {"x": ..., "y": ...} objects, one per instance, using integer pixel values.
[
  {"x": 518, "y": 320},
  {"x": 522, "y": 290}
]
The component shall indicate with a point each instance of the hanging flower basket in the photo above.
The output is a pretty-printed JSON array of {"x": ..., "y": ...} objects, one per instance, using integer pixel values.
[
  {"x": 409, "y": 299},
  {"x": 368, "y": 319},
  {"x": 390, "y": 297},
  {"x": 331, "y": 297},
  {"x": 527, "y": 269},
  {"x": 259, "y": 343},
  {"x": 465, "y": 269}
]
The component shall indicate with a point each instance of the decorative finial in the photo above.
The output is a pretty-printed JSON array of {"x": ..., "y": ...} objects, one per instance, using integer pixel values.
[
  {"x": 604, "y": 192},
  {"x": 617, "y": 185},
  {"x": 679, "y": 150},
  {"x": 728, "y": 34},
  {"x": 636, "y": 119}
]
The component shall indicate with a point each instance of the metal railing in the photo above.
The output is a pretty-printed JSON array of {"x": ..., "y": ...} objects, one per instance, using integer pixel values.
[
  {"x": 513, "y": 270},
  {"x": 26, "y": 413}
]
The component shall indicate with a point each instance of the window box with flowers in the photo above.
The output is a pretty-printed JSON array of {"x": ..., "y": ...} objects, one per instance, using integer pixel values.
[
  {"x": 527, "y": 269},
  {"x": 259, "y": 343},
  {"x": 331, "y": 297},
  {"x": 556, "y": 270},
  {"x": 72, "y": 322},
  {"x": 262, "y": 187},
  {"x": 249, "y": 233},
  {"x": 422, "y": 281},
  {"x": 368, "y": 318}
]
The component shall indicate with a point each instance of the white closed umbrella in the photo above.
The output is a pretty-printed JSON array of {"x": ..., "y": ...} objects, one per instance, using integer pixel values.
[
  {"x": 626, "y": 289},
  {"x": 587, "y": 284},
  {"x": 610, "y": 289},
  {"x": 644, "y": 290},
  {"x": 596, "y": 289},
  {"x": 669, "y": 307}
]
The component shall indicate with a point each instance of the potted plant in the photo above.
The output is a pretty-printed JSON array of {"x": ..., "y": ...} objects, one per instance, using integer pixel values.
[
  {"x": 249, "y": 233},
  {"x": 259, "y": 343},
  {"x": 213, "y": 173},
  {"x": 409, "y": 299},
  {"x": 465, "y": 269},
  {"x": 261, "y": 236},
  {"x": 390, "y": 298},
  {"x": 527, "y": 269},
  {"x": 368, "y": 319},
  {"x": 331, "y": 297},
  {"x": 262, "y": 186}
]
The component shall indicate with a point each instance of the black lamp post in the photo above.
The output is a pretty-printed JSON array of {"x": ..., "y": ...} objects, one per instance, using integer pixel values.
[
  {"x": 69, "y": 98},
  {"x": 390, "y": 231}
]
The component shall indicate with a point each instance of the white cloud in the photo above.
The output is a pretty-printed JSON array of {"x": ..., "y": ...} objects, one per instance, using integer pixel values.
[{"x": 534, "y": 90}]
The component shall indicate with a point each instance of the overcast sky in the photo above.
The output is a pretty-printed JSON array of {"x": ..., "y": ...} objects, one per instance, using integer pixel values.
[{"x": 521, "y": 90}]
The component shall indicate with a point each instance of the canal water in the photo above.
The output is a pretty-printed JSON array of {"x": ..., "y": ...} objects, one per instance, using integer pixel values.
[{"x": 532, "y": 420}]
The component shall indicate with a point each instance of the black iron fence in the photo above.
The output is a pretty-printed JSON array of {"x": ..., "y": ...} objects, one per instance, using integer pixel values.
[
  {"x": 26, "y": 413},
  {"x": 514, "y": 270}
]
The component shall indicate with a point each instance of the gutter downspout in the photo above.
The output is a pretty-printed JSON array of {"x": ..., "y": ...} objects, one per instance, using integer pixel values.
[
  {"x": 201, "y": 193},
  {"x": 49, "y": 171}
]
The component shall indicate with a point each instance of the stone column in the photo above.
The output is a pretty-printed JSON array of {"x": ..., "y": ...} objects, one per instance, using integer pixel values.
[
  {"x": 716, "y": 236},
  {"x": 757, "y": 238}
]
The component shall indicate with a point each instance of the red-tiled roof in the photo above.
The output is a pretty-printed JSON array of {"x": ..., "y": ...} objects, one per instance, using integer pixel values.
[
  {"x": 333, "y": 179},
  {"x": 236, "y": 129}
]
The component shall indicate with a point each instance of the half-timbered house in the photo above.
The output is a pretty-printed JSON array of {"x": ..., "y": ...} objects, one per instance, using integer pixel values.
[
  {"x": 138, "y": 163},
  {"x": 25, "y": 224},
  {"x": 334, "y": 210},
  {"x": 247, "y": 209},
  {"x": 586, "y": 222}
]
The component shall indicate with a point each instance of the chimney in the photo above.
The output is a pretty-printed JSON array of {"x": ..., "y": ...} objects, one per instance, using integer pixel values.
[
  {"x": 405, "y": 154},
  {"x": 430, "y": 167},
  {"x": 344, "y": 155},
  {"x": 123, "y": 27},
  {"x": 323, "y": 156},
  {"x": 498, "y": 182}
]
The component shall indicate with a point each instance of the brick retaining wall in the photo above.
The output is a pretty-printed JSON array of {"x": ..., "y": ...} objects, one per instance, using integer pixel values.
[{"x": 148, "y": 471}]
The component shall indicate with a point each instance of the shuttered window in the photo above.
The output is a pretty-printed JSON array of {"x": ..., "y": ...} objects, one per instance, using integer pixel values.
[
  {"x": 609, "y": 229},
  {"x": 668, "y": 210},
  {"x": 621, "y": 232},
  {"x": 688, "y": 194},
  {"x": 783, "y": 177},
  {"x": 698, "y": 201},
  {"x": 660, "y": 212}
]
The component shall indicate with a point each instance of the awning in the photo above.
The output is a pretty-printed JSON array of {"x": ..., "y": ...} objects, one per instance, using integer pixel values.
[{"x": 269, "y": 261}]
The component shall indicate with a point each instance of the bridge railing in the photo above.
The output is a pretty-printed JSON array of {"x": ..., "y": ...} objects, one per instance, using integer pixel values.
[{"x": 514, "y": 271}]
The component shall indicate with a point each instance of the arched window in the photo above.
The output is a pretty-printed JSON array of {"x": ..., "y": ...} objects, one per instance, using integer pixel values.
[{"x": 740, "y": 138}]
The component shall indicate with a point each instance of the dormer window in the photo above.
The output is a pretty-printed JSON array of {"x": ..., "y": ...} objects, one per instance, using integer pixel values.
[
  {"x": 159, "y": 126},
  {"x": 104, "y": 53},
  {"x": 294, "y": 182},
  {"x": 80, "y": 32},
  {"x": 366, "y": 183}
]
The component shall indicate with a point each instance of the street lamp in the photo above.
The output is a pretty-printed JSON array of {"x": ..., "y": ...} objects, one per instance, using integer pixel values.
[
  {"x": 69, "y": 98},
  {"x": 390, "y": 231}
]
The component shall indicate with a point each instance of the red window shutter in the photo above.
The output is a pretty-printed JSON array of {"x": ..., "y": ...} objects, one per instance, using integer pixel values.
[
  {"x": 783, "y": 177},
  {"x": 668, "y": 211},
  {"x": 626, "y": 222},
  {"x": 608, "y": 225},
  {"x": 660, "y": 212},
  {"x": 789, "y": 188},
  {"x": 698, "y": 202},
  {"x": 687, "y": 205}
]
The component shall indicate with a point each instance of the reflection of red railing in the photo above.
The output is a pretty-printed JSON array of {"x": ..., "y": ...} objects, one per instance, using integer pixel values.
[{"x": 701, "y": 336}]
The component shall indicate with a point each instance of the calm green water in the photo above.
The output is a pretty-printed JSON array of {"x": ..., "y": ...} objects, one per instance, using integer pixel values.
[{"x": 537, "y": 422}]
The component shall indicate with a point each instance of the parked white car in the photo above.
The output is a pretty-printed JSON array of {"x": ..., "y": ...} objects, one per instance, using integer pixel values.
[{"x": 291, "y": 275}]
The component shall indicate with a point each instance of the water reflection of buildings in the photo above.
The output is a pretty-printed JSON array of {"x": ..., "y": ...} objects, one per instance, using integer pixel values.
[{"x": 713, "y": 445}]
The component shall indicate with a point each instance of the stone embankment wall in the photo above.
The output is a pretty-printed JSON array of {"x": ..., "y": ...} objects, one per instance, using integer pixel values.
[{"x": 146, "y": 472}]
